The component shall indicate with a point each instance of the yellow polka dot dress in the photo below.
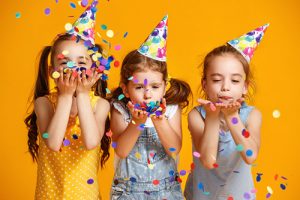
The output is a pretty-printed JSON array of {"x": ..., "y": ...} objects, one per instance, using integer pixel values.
[{"x": 72, "y": 172}]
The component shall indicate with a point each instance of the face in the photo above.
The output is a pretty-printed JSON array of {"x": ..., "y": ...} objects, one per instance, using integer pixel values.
[
  {"x": 145, "y": 87},
  {"x": 225, "y": 79},
  {"x": 77, "y": 55}
]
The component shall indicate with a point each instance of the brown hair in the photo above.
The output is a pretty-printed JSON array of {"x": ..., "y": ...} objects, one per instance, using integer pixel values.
[
  {"x": 223, "y": 50},
  {"x": 179, "y": 91},
  {"x": 41, "y": 89}
]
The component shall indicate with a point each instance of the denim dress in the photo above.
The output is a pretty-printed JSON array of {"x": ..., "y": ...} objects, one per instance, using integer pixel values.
[
  {"x": 231, "y": 178},
  {"x": 148, "y": 172}
]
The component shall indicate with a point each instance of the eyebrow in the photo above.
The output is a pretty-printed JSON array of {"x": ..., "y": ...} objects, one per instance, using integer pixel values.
[
  {"x": 235, "y": 74},
  {"x": 68, "y": 58},
  {"x": 153, "y": 83}
]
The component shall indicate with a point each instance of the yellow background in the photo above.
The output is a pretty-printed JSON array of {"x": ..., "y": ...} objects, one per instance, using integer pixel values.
[{"x": 195, "y": 27}]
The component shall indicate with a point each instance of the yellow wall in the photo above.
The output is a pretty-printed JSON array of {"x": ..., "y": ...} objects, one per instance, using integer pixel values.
[{"x": 195, "y": 27}]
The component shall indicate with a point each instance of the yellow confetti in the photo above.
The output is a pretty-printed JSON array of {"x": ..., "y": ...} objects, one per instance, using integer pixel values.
[
  {"x": 276, "y": 113},
  {"x": 151, "y": 166},
  {"x": 65, "y": 52},
  {"x": 110, "y": 33},
  {"x": 138, "y": 155},
  {"x": 68, "y": 26},
  {"x": 269, "y": 189},
  {"x": 55, "y": 74}
]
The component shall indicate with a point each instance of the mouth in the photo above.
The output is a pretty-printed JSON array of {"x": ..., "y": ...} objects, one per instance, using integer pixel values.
[{"x": 225, "y": 98}]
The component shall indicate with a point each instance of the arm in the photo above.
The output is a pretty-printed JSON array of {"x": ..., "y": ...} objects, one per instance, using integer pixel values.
[
  {"x": 205, "y": 136},
  {"x": 169, "y": 132},
  {"x": 253, "y": 126},
  {"x": 55, "y": 123},
  {"x": 92, "y": 123},
  {"x": 125, "y": 134}
]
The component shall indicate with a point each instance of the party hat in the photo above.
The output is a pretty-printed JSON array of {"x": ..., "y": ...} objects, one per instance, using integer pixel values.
[
  {"x": 247, "y": 44},
  {"x": 83, "y": 28},
  {"x": 155, "y": 45}
]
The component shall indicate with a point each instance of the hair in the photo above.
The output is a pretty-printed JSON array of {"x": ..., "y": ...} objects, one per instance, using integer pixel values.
[
  {"x": 179, "y": 91},
  {"x": 225, "y": 50},
  {"x": 42, "y": 88}
]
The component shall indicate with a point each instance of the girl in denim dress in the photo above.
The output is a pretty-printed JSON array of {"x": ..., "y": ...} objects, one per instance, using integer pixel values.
[{"x": 147, "y": 146}]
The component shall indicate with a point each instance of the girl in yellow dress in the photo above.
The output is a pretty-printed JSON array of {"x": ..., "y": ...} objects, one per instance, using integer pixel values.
[{"x": 70, "y": 123}]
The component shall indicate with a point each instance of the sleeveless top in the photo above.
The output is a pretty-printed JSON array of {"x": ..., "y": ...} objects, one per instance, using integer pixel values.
[
  {"x": 231, "y": 178},
  {"x": 71, "y": 173}
]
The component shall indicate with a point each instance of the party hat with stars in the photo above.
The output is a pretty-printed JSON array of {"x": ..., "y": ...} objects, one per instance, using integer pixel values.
[
  {"x": 83, "y": 28},
  {"x": 247, "y": 44},
  {"x": 155, "y": 45}
]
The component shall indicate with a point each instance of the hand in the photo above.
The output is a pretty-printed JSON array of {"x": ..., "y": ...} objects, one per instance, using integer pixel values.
[
  {"x": 138, "y": 116},
  {"x": 211, "y": 109},
  {"x": 163, "y": 111},
  {"x": 85, "y": 84},
  {"x": 66, "y": 83},
  {"x": 231, "y": 108}
]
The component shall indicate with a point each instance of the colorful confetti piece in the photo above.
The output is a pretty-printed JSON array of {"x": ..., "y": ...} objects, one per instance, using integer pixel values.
[
  {"x": 45, "y": 135},
  {"x": 90, "y": 181}
]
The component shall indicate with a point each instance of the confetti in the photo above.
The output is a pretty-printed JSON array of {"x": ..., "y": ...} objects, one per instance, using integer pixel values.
[
  {"x": 45, "y": 135},
  {"x": 107, "y": 91},
  {"x": 68, "y": 26},
  {"x": 276, "y": 114},
  {"x": 230, "y": 198},
  {"x": 132, "y": 179},
  {"x": 150, "y": 166},
  {"x": 269, "y": 189},
  {"x": 125, "y": 34},
  {"x": 182, "y": 172},
  {"x": 103, "y": 27},
  {"x": 65, "y": 52},
  {"x": 215, "y": 165},
  {"x": 47, "y": 11},
  {"x": 172, "y": 149},
  {"x": 117, "y": 47},
  {"x": 120, "y": 97},
  {"x": 155, "y": 182},
  {"x": 138, "y": 155},
  {"x": 114, "y": 145},
  {"x": 247, "y": 195},
  {"x": 268, "y": 195},
  {"x": 239, "y": 147},
  {"x": 234, "y": 120},
  {"x": 258, "y": 177},
  {"x": 196, "y": 154},
  {"x": 245, "y": 133},
  {"x": 84, "y": 3},
  {"x": 206, "y": 193},
  {"x": 90, "y": 181},
  {"x": 249, "y": 152},
  {"x": 116, "y": 63},
  {"x": 145, "y": 81},
  {"x": 110, "y": 33},
  {"x": 18, "y": 15},
  {"x": 73, "y": 5},
  {"x": 66, "y": 142},
  {"x": 282, "y": 186},
  {"x": 171, "y": 172}
]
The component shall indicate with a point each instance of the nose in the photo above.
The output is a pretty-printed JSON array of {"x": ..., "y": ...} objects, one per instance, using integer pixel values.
[
  {"x": 226, "y": 85},
  {"x": 147, "y": 93}
]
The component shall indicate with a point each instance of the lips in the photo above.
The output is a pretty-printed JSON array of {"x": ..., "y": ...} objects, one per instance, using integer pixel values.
[{"x": 225, "y": 97}]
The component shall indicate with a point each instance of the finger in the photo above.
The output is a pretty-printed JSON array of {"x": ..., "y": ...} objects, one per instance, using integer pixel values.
[
  {"x": 61, "y": 77},
  {"x": 83, "y": 76},
  {"x": 203, "y": 101}
]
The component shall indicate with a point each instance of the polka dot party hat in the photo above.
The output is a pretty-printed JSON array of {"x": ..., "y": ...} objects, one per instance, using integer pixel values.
[
  {"x": 155, "y": 45},
  {"x": 246, "y": 44},
  {"x": 83, "y": 28}
]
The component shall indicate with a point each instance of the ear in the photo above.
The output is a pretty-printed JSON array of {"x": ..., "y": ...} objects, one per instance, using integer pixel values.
[
  {"x": 124, "y": 89},
  {"x": 204, "y": 85},
  {"x": 245, "y": 88}
]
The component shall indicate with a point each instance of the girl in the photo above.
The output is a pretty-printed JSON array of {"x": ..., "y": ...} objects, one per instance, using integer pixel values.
[
  {"x": 69, "y": 123},
  {"x": 225, "y": 130},
  {"x": 145, "y": 145}
]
